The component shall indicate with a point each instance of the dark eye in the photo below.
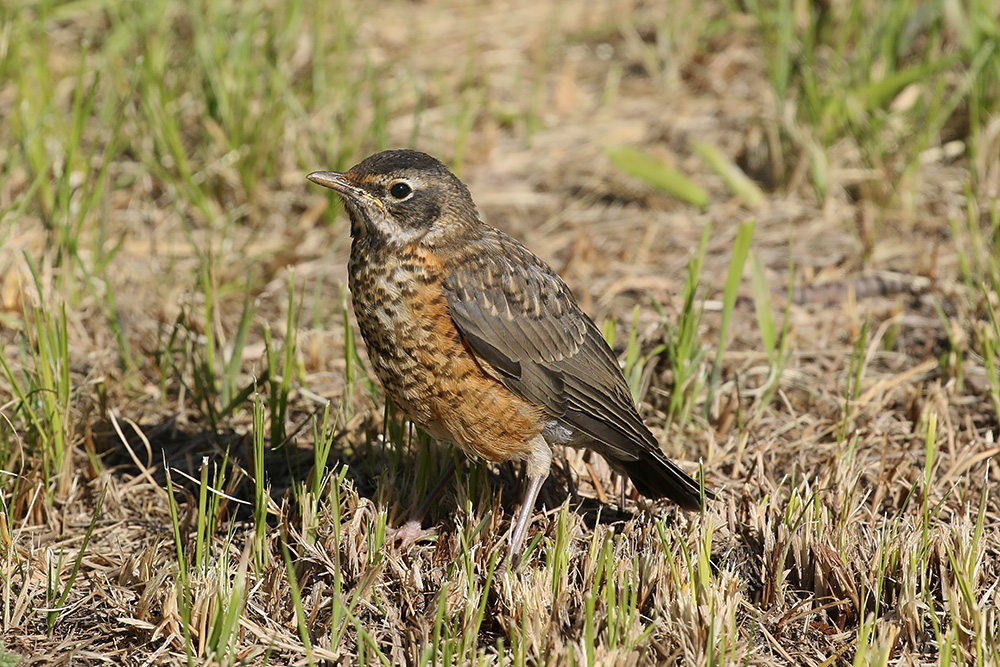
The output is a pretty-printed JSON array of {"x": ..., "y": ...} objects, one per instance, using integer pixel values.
[{"x": 400, "y": 190}]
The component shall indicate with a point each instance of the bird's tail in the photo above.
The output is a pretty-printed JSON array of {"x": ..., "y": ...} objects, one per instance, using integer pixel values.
[{"x": 656, "y": 476}]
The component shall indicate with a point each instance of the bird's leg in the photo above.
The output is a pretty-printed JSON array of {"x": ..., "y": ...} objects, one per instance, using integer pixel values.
[
  {"x": 521, "y": 525},
  {"x": 412, "y": 530},
  {"x": 538, "y": 462}
]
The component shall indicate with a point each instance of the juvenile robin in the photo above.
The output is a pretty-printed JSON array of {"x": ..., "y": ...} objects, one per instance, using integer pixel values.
[{"x": 478, "y": 341}]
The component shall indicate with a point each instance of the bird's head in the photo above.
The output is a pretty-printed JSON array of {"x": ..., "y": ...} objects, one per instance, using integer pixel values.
[{"x": 402, "y": 196}]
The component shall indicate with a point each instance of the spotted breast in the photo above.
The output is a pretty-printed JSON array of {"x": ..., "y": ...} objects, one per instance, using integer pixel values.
[{"x": 422, "y": 361}]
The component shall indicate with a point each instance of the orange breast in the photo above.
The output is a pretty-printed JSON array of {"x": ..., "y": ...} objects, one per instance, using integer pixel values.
[{"x": 425, "y": 366}]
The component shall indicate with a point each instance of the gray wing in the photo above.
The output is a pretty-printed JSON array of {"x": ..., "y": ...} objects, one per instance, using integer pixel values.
[
  {"x": 521, "y": 319},
  {"x": 526, "y": 325}
]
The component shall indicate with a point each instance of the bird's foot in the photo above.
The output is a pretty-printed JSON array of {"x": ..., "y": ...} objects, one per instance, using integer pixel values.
[{"x": 408, "y": 534}]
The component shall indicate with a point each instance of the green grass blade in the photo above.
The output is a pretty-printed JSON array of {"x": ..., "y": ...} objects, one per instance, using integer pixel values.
[
  {"x": 741, "y": 248},
  {"x": 657, "y": 174}
]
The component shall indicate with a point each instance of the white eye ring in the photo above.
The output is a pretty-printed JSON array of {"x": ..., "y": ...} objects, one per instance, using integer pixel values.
[{"x": 400, "y": 190}]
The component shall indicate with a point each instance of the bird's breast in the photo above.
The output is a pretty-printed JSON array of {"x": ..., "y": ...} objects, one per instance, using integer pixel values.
[
  {"x": 400, "y": 308},
  {"x": 423, "y": 363}
]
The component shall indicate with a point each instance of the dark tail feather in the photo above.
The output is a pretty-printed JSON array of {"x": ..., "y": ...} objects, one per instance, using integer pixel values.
[{"x": 658, "y": 477}]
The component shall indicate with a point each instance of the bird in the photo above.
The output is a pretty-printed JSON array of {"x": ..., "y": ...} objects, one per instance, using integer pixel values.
[{"x": 481, "y": 343}]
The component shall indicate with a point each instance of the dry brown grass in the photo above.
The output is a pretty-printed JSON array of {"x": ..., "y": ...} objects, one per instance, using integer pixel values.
[{"x": 835, "y": 540}]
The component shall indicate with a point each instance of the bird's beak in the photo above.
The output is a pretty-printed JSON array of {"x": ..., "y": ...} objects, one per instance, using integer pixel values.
[
  {"x": 333, "y": 180},
  {"x": 342, "y": 185}
]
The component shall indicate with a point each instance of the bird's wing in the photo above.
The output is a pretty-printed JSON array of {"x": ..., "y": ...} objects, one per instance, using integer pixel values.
[{"x": 519, "y": 318}]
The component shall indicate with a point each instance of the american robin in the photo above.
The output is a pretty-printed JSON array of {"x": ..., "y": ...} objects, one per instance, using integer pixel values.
[{"x": 477, "y": 340}]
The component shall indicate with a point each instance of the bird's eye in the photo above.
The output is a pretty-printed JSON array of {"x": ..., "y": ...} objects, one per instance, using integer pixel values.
[{"x": 400, "y": 190}]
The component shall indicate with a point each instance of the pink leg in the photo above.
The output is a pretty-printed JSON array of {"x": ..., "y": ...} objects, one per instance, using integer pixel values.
[{"x": 521, "y": 525}]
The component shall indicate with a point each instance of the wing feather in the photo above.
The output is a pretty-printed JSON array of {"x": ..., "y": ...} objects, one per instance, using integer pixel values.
[
  {"x": 522, "y": 322},
  {"x": 528, "y": 327}
]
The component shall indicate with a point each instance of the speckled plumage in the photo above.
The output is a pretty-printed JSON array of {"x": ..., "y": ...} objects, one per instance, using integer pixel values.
[
  {"x": 422, "y": 361},
  {"x": 477, "y": 340}
]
